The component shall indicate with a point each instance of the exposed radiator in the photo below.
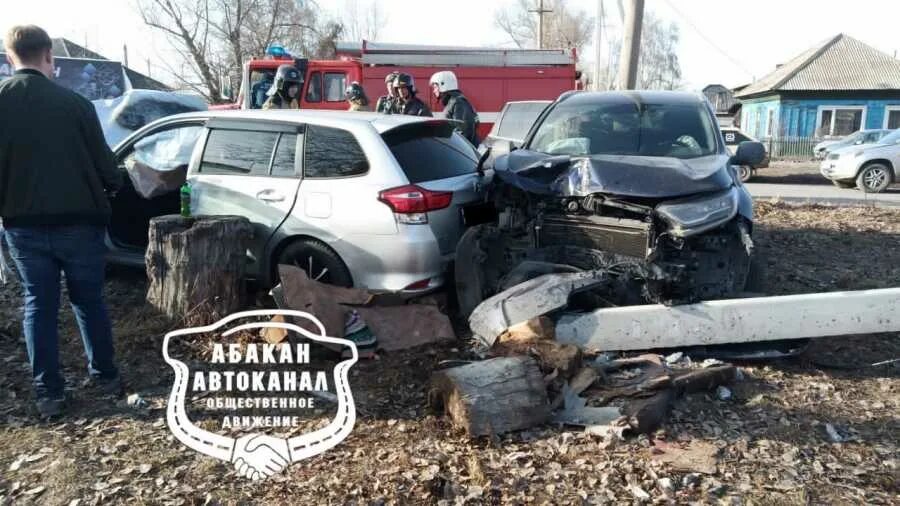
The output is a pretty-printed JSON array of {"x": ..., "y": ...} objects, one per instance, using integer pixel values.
[{"x": 614, "y": 235}]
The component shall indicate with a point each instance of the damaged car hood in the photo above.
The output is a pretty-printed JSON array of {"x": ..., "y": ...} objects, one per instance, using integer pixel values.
[{"x": 630, "y": 176}]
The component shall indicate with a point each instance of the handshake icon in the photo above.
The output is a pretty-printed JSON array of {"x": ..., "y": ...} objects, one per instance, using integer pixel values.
[{"x": 258, "y": 456}]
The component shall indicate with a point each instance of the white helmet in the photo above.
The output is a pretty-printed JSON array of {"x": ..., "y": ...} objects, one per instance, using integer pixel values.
[{"x": 445, "y": 80}]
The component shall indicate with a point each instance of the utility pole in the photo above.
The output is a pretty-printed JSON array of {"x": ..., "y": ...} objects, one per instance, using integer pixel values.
[
  {"x": 125, "y": 54},
  {"x": 540, "y": 12},
  {"x": 631, "y": 45},
  {"x": 597, "y": 41}
]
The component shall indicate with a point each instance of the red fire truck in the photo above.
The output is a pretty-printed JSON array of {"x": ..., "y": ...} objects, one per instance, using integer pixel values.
[{"x": 488, "y": 77}]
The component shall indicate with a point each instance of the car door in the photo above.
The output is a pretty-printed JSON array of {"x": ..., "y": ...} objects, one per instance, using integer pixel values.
[{"x": 248, "y": 170}]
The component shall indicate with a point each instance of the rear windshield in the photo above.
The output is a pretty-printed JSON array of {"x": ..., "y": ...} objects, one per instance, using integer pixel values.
[
  {"x": 430, "y": 151},
  {"x": 518, "y": 118},
  {"x": 666, "y": 130}
]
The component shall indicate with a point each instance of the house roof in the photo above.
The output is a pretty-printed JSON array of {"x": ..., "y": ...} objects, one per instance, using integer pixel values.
[
  {"x": 65, "y": 48},
  {"x": 839, "y": 63}
]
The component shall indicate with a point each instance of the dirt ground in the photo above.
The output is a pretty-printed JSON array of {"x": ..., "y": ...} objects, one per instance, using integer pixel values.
[{"x": 770, "y": 439}]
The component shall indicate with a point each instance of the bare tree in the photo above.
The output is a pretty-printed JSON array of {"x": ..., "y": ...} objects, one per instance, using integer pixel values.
[
  {"x": 215, "y": 37},
  {"x": 184, "y": 23},
  {"x": 362, "y": 22},
  {"x": 564, "y": 27},
  {"x": 659, "y": 67}
]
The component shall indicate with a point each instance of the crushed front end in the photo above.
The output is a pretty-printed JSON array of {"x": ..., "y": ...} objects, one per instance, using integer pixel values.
[{"x": 655, "y": 249}]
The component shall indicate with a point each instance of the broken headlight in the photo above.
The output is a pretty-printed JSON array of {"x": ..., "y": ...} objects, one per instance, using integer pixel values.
[{"x": 690, "y": 217}]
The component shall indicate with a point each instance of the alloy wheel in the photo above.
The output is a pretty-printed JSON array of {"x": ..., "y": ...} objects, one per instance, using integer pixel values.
[{"x": 875, "y": 178}]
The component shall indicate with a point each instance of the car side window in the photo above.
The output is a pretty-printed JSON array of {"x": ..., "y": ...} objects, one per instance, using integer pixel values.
[
  {"x": 314, "y": 89},
  {"x": 284, "y": 163},
  {"x": 332, "y": 152},
  {"x": 238, "y": 152},
  {"x": 335, "y": 83}
]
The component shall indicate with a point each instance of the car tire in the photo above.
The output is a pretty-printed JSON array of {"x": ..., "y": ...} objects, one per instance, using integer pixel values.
[
  {"x": 844, "y": 184},
  {"x": 745, "y": 173},
  {"x": 874, "y": 178},
  {"x": 756, "y": 275},
  {"x": 318, "y": 261}
]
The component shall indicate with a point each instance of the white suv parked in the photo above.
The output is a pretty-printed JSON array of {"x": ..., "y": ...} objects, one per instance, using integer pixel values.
[{"x": 869, "y": 167}]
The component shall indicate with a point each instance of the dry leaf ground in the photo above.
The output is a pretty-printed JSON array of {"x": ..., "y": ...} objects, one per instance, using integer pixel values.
[{"x": 773, "y": 444}]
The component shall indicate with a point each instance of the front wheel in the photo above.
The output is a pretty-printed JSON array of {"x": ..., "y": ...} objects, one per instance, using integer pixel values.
[
  {"x": 874, "y": 178},
  {"x": 318, "y": 261},
  {"x": 745, "y": 172}
]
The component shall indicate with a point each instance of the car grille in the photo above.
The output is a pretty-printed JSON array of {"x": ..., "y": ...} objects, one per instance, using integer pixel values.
[{"x": 614, "y": 235}]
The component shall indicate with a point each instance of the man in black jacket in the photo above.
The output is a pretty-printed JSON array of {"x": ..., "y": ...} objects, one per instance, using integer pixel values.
[
  {"x": 456, "y": 106},
  {"x": 55, "y": 173},
  {"x": 410, "y": 104}
]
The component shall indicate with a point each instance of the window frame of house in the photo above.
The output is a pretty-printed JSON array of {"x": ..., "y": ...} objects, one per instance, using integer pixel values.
[
  {"x": 834, "y": 109},
  {"x": 888, "y": 109},
  {"x": 770, "y": 123}
]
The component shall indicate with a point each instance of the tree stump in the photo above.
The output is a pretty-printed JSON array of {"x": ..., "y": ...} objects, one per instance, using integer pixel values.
[
  {"x": 492, "y": 396},
  {"x": 197, "y": 264}
]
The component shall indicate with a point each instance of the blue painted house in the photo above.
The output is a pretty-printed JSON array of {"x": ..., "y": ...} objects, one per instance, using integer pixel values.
[{"x": 830, "y": 90}]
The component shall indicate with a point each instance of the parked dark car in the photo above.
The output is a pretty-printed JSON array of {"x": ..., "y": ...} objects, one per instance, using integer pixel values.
[
  {"x": 640, "y": 183},
  {"x": 733, "y": 138}
]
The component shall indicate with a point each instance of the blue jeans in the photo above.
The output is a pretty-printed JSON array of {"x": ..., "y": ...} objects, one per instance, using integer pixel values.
[{"x": 40, "y": 253}]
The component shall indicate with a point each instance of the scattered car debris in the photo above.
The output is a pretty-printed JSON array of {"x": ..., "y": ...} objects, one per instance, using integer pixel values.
[
  {"x": 136, "y": 401},
  {"x": 723, "y": 393},
  {"x": 395, "y": 325},
  {"x": 674, "y": 358},
  {"x": 833, "y": 434}
]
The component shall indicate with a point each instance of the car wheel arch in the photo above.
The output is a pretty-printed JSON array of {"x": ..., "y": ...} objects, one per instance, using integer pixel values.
[
  {"x": 883, "y": 161},
  {"x": 276, "y": 252}
]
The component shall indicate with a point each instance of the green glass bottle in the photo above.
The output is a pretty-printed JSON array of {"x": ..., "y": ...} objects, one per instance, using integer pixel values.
[{"x": 186, "y": 200}]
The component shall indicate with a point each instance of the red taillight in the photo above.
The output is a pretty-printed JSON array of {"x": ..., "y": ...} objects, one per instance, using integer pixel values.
[
  {"x": 411, "y": 199},
  {"x": 419, "y": 285}
]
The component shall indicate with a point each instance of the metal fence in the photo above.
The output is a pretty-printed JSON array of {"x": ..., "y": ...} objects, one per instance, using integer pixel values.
[{"x": 790, "y": 148}]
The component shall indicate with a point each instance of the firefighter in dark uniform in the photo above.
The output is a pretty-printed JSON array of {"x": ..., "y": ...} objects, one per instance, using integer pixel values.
[
  {"x": 387, "y": 104},
  {"x": 407, "y": 101},
  {"x": 456, "y": 106},
  {"x": 357, "y": 97},
  {"x": 285, "y": 90}
]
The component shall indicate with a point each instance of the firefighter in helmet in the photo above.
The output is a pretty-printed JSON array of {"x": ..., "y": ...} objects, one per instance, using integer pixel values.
[
  {"x": 357, "y": 97},
  {"x": 457, "y": 107},
  {"x": 386, "y": 104},
  {"x": 407, "y": 101},
  {"x": 285, "y": 90}
]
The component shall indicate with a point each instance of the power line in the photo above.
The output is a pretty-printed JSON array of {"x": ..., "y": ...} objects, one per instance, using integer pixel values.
[{"x": 708, "y": 40}]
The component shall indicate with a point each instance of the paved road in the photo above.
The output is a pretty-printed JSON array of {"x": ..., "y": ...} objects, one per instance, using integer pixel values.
[{"x": 823, "y": 194}]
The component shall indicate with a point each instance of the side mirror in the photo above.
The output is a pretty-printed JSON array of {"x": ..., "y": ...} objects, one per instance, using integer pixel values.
[
  {"x": 749, "y": 153},
  {"x": 503, "y": 146}
]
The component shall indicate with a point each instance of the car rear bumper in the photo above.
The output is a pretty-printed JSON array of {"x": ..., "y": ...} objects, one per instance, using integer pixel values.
[{"x": 409, "y": 262}]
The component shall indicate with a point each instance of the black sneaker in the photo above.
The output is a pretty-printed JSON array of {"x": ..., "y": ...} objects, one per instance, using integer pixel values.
[
  {"x": 50, "y": 406},
  {"x": 111, "y": 386}
]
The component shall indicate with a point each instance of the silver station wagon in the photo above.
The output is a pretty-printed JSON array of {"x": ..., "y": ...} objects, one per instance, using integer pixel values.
[{"x": 355, "y": 199}]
